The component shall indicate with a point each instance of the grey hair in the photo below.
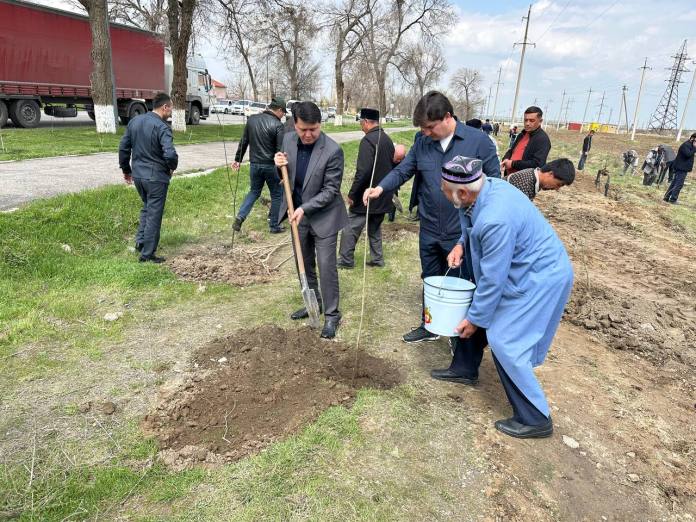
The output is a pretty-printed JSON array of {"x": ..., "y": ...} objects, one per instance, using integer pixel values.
[{"x": 474, "y": 186}]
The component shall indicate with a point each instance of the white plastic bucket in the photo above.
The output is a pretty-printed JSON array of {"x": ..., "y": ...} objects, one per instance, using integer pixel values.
[{"x": 447, "y": 299}]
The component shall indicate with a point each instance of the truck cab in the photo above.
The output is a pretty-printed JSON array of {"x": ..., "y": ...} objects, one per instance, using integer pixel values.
[{"x": 198, "y": 86}]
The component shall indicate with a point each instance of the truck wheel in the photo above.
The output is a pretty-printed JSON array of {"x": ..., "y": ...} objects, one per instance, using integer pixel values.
[
  {"x": 3, "y": 114},
  {"x": 25, "y": 113},
  {"x": 91, "y": 115},
  {"x": 136, "y": 110},
  {"x": 194, "y": 115}
]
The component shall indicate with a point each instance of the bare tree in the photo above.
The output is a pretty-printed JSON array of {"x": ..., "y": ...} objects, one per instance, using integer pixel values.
[
  {"x": 384, "y": 27},
  {"x": 180, "y": 16},
  {"x": 421, "y": 67},
  {"x": 239, "y": 16},
  {"x": 466, "y": 84},
  {"x": 102, "y": 77},
  {"x": 344, "y": 20},
  {"x": 289, "y": 29},
  {"x": 150, "y": 15}
]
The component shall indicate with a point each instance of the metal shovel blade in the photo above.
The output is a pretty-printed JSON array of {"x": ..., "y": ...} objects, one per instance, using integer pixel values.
[{"x": 310, "y": 302}]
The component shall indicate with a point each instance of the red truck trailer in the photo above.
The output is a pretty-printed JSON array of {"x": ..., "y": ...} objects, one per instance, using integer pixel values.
[{"x": 45, "y": 62}]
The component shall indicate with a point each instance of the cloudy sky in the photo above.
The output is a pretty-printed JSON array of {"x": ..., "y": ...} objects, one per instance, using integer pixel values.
[{"x": 580, "y": 44}]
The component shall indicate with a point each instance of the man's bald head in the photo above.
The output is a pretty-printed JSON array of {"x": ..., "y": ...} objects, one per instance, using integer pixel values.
[{"x": 399, "y": 153}]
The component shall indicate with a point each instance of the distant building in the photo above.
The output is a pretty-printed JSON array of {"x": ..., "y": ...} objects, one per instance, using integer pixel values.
[{"x": 219, "y": 90}]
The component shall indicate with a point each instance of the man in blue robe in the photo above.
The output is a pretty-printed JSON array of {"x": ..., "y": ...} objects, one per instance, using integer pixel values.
[{"x": 523, "y": 281}]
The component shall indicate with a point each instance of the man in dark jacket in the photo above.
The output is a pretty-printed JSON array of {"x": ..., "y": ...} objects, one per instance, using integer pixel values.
[
  {"x": 264, "y": 134},
  {"x": 531, "y": 146},
  {"x": 682, "y": 165},
  {"x": 586, "y": 146},
  {"x": 487, "y": 127},
  {"x": 147, "y": 158},
  {"x": 552, "y": 176},
  {"x": 440, "y": 139},
  {"x": 375, "y": 143}
]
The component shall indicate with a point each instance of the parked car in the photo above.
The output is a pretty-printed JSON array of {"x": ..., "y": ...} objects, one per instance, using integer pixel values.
[
  {"x": 331, "y": 112},
  {"x": 239, "y": 106},
  {"x": 255, "y": 108},
  {"x": 222, "y": 107}
]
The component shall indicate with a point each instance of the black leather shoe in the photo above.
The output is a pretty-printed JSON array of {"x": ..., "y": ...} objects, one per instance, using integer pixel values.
[
  {"x": 521, "y": 431},
  {"x": 301, "y": 314},
  {"x": 449, "y": 376},
  {"x": 330, "y": 327},
  {"x": 152, "y": 259},
  {"x": 375, "y": 263},
  {"x": 344, "y": 266},
  {"x": 237, "y": 225},
  {"x": 277, "y": 230}
]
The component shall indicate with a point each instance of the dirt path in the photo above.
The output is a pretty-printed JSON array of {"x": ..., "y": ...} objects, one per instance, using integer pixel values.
[{"x": 24, "y": 181}]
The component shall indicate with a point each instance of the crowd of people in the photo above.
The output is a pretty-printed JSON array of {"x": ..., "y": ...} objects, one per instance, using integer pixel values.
[{"x": 475, "y": 212}]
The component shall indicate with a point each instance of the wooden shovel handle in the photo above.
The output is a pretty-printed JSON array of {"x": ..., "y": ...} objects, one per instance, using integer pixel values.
[{"x": 293, "y": 226}]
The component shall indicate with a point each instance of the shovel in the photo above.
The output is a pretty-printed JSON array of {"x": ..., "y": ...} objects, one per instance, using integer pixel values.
[{"x": 308, "y": 295}]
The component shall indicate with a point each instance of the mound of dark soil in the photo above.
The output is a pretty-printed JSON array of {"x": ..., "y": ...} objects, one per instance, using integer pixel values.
[{"x": 256, "y": 386}]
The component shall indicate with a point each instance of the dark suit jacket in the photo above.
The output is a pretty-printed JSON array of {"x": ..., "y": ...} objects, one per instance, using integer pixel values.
[
  {"x": 321, "y": 192},
  {"x": 363, "y": 172},
  {"x": 147, "y": 149},
  {"x": 684, "y": 162},
  {"x": 587, "y": 143}
]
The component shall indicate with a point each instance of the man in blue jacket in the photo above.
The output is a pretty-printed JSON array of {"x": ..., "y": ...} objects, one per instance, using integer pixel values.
[
  {"x": 442, "y": 137},
  {"x": 681, "y": 166},
  {"x": 147, "y": 158},
  {"x": 523, "y": 281}
]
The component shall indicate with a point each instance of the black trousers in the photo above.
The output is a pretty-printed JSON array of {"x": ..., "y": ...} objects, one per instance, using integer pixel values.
[
  {"x": 154, "y": 195},
  {"x": 675, "y": 186},
  {"x": 467, "y": 358}
]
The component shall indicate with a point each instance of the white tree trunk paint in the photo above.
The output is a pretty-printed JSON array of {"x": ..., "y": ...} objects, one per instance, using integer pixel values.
[
  {"x": 105, "y": 119},
  {"x": 179, "y": 120},
  {"x": 338, "y": 120}
]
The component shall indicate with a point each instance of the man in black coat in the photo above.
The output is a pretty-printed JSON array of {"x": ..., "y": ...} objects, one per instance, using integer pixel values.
[
  {"x": 263, "y": 133},
  {"x": 531, "y": 146},
  {"x": 586, "y": 146},
  {"x": 147, "y": 158},
  {"x": 682, "y": 165},
  {"x": 376, "y": 142}
]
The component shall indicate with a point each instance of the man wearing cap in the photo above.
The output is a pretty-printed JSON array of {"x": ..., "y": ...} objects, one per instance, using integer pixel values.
[
  {"x": 376, "y": 151},
  {"x": 441, "y": 138},
  {"x": 523, "y": 281},
  {"x": 263, "y": 133},
  {"x": 552, "y": 176}
]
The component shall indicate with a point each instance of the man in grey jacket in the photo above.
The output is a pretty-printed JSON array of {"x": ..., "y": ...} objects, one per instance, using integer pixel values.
[
  {"x": 315, "y": 171},
  {"x": 147, "y": 158}
]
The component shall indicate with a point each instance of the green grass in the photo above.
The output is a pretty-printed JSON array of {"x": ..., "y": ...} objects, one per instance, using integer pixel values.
[
  {"x": 20, "y": 144},
  {"x": 403, "y": 454}
]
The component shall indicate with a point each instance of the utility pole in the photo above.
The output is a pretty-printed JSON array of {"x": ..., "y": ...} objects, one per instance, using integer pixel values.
[
  {"x": 611, "y": 111},
  {"x": 524, "y": 45},
  {"x": 686, "y": 107},
  {"x": 640, "y": 90},
  {"x": 568, "y": 104},
  {"x": 497, "y": 87},
  {"x": 488, "y": 102},
  {"x": 560, "y": 111},
  {"x": 584, "y": 114},
  {"x": 601, "y": 106},
  {"x": 546, "y": 111},
  {"x": 622, "y": 105}
]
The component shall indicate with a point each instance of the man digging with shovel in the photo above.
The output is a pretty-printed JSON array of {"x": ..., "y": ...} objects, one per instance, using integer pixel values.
[{"x": 312, "y": 168}]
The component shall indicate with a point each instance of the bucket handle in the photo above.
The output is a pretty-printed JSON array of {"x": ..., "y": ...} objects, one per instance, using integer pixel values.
[{"x": 439, "y": 290}]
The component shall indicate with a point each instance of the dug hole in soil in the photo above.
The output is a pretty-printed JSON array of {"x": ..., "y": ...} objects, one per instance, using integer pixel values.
[{"x": 254, "y": 387}]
